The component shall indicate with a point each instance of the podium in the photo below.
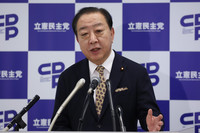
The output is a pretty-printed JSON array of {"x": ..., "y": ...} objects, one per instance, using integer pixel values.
[
  {"x": 188, "y": 130},
  {"x": 185, "y": 131}
]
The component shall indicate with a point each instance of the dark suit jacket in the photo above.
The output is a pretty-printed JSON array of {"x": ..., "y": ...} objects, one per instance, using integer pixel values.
[{"x": 135, "y": 97}]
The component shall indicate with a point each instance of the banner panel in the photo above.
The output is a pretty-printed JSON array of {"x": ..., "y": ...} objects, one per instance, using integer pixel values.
[{"x": 145, "y": 30}]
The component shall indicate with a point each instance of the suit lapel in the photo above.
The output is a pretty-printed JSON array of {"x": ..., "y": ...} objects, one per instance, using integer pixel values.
[
  {"x": 92, "y": 107},
  {"x": 84, "y": 73},
  {"x": 115, "y": 76}
]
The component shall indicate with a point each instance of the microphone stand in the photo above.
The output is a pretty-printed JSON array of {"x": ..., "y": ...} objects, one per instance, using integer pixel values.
[
  {"x": 85, "y": 106},
  {"x": 20, "y": 124},
  {"x": 18, "y": 118},
  {"x": 93, "y": 85},
  {"x": 119, "y": 112},
  {"x": 108, "y": 86},
  {"x": 79, "y": 84}
]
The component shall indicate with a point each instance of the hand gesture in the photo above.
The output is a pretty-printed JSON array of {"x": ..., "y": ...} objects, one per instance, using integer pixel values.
[{"x": 154, "y": 123}]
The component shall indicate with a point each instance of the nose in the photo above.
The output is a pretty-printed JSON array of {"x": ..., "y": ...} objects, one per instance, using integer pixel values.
[{"x": 93, "y": 38}]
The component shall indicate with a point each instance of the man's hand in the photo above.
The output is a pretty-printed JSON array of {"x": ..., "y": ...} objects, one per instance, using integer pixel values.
[{"x": 154, "y": 123}]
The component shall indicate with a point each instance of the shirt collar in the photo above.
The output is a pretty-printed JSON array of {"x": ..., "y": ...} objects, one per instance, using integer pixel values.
[{"x": 107, "y": 64}]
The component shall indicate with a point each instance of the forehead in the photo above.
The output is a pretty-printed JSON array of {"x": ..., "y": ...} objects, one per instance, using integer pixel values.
[{"x": 90, "y": 19}]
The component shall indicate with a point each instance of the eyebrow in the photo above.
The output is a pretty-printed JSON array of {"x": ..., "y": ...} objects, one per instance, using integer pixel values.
[{"x": 95, "y": 25}]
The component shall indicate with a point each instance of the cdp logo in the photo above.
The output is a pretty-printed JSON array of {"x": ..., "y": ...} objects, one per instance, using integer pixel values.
[
  {"x": 192, "y": 20},
  {"x": 7, "y": 116},
  {"x": 191, "y": 119},
  {"x": 7, "y": 23},
  {"x": 152, "y": 69},
  {"x": 49, "y": 69}
]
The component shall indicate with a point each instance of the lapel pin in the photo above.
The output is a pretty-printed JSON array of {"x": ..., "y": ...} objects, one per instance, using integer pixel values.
[{"x": 122, "y": 68}]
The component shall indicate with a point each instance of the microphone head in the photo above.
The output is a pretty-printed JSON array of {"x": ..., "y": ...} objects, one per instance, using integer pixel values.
[
  {"x": 108, "y": 84},
  {"x": 81, "y": 82},
  {"x": 32, "y": 102},
  {"x": 119, "y": 110},
  {"x": 108, "y": 81},
  {"x": 95, "y": 82}
]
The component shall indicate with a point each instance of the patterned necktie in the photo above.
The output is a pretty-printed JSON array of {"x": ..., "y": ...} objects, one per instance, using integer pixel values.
[{"x": 100, "y": 91}]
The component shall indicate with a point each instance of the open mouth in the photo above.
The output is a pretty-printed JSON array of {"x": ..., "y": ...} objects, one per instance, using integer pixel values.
[{"x": 95, "y": 49}]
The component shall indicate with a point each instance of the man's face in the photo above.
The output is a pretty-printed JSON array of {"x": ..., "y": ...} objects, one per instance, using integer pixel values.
[{"x": 94, "y": 37}]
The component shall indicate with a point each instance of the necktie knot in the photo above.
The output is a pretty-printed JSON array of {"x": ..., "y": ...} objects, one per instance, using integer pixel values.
[{"x": 100, "y": 69}]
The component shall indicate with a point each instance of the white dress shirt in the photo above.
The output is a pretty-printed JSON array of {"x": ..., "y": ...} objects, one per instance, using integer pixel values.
[{"x": 107, "y": 65}]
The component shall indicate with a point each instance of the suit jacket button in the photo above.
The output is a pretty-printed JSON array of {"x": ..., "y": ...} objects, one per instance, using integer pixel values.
[{"x": 99, "y": 126}]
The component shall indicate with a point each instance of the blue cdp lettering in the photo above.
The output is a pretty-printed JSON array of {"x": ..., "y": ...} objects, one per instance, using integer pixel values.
[
  {"x": 152, "y": 69},
  {"x": 190, "y": 119},
  {"x": 8, "y": 22},
  {"x": 7, "y": 116},
  {"x": 190, "y": 21},
  {"x": 52, "y": 68}
]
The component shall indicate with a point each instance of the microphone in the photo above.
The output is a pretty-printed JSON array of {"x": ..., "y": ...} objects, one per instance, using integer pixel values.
[
  {"x": 18, "y": 118},
  {"x": 95, "y": 82},
  {"x": 79, "y": 84},
  {"x": 108, "y": 86},
  {"x": 120, "y": 112}
]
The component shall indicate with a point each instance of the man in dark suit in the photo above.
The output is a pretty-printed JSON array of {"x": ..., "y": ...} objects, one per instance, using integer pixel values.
[{"x": 130, "y": 84}]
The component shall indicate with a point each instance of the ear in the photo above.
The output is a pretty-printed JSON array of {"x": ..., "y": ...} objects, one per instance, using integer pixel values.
[{"x": 112, "y": 33}]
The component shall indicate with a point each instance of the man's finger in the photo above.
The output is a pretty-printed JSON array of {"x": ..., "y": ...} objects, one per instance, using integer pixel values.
[
  {"x": 160, "y": 117},
  {"x": 150, "y": 112}
]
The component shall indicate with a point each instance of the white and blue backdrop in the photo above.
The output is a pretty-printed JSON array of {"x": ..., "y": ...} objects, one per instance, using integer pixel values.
[{"x": 37, "y": 43}]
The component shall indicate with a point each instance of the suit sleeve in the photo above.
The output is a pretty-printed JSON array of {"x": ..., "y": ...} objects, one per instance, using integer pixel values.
[{"x": 146, "y": 98}]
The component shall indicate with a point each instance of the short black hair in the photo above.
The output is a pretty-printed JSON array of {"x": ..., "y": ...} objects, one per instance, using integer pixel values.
[{"x": 87, "y": 10}]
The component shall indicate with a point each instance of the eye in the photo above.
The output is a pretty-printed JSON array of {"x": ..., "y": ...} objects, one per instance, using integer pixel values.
[
  {"x": 84, "y": 34},
  {"x": 99, "y": 31}
]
